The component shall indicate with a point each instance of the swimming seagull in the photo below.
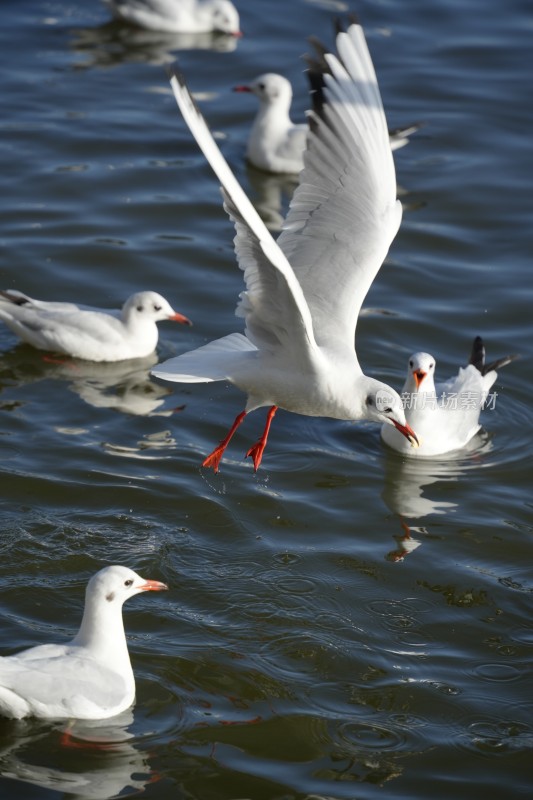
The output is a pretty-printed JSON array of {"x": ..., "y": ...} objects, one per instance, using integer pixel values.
[
  {"x": 178, "y": 16},
  {"x": 276, "y": 144},
  {"x": 304, "y": 292},
  {"x": 89, "y": 677},
  {"x": 94, "y": 334},
  {"x": 445, "y": 416}
]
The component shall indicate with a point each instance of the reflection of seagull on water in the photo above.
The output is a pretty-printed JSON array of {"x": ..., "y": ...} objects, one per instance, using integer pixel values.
[
  {"x": 276, "y": 143},
  {"x": 304, "y": 292},
  {"x": 124, "y": 386},
  {"x": 121, "y": 765},
  {"x": 445, "y": 416},
  {"x": 271, "y": 195},
  {"x": 406, "y": 544},
  {"x": 416, "y": 489},
  {"x": 405, "y": 486},
  {"x": 114, "y": 44}
]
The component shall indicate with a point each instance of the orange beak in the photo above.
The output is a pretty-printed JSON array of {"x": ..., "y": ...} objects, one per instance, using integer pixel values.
[
  {"x": 407, "y": 431},
  {"x": 153, "y": 586},
  {"x": 419, "y": 376},
  {"x": 181, "y": 319}
]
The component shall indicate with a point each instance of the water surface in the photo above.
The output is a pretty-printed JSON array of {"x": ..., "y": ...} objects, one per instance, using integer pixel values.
[{"x": 347, "y": 623}]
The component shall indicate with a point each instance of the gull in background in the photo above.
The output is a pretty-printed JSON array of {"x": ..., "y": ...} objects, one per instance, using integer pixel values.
[
  {"x": 276, "y": 144},
  {"x": 178, "y": 16},
  {"x": 304, "y": 292},
  {"x": 89, "y": 677},
  {"x": 93, "y": 334},
  {"x": 446, "y": 416}
]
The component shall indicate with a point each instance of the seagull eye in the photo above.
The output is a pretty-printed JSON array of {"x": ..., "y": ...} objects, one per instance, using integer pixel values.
[
  {"x": 431, "y": 366},
  {"x": 387, "y": 410},
  {"x": 369, "y": 401},
  {"x": 129, "y": 582},
  {"x": 411, "y": 363},
  {"x": 157, "y": 308},
  {"x": 140, "y": 308},
  {"x": 261, "y": 86}
]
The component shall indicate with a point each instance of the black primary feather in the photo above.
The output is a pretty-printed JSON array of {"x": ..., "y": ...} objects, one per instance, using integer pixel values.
[{"x": 477, "y": 358}]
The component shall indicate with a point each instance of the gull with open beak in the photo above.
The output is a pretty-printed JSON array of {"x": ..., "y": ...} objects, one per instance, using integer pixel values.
[{"x": 305, "y": 290}]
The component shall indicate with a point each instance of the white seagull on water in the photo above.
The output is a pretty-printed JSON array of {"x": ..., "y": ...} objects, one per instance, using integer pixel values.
[
  {"x": 93, "y": 334},
  {"x": 276, "y": 143},
  {"x": 304, "y": 292},
  {"x": 89, "y": 677},
  {"x": 178, "y": 16},
  {"x": 445, "y": 416}
]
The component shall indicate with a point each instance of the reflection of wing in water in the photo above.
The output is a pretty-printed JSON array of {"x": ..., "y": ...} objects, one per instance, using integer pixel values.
[
  {"x": 124, "y": 386},
  {"x": 114, "y": 43},
  {"x": 271, "y": 195},
  {"x": 106, "y": 761}
]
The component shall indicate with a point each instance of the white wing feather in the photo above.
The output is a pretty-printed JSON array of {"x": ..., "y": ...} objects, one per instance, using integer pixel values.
[
  {"x": 273, "y": 292},
  {"x": 344, "y": 214},
  {"x": 214, "y": 361}
]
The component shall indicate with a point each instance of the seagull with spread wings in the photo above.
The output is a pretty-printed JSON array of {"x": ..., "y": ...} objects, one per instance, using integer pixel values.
[{"x": 305, "y": 290}]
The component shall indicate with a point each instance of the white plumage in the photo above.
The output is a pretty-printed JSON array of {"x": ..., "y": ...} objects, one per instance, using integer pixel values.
[
  {"x": 304, "y": 292},
  {"x": 446, "y": 415},
  {"x": 90, "y": 677},
  {"x": 94, "y": 334},
  {"x": 178, "y": 16},
  {"x": 277, "y": 144}
]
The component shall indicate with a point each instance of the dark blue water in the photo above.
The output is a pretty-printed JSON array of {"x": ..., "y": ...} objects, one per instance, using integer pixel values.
[{"x": 345, "y": 624}]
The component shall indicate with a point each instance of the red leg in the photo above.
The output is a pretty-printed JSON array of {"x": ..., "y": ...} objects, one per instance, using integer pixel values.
[
  {"x": 256, "y": 451},
  {"x": 213, "y": 460}
]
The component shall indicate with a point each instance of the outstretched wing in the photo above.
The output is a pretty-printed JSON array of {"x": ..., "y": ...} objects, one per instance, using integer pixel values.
[
  {"x": 273, "y": 305},
  {"x": 344, "y": 213}
]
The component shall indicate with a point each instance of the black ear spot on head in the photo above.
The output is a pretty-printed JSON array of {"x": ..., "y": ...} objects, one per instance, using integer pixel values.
[{"x": 110, "y": 597}]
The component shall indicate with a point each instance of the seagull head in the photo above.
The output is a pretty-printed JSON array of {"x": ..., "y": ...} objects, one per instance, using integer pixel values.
[
  {"x": 420, "y": 371},
  {"x": 384, "y": 405},
  {"x": 225, "y": 17},
  {"x": 150, "y": 306},
  {"x": 269, "y": 88},
  {"x": 116, "y": 584}
]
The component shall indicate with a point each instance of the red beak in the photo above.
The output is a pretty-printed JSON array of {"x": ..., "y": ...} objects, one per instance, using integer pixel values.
[
  {"x": 419, "y": 376},
  {"x": 407, "y": 431},
  {"x": 181, "y": 319},
  {"x": 153, "y": 586},
  {"x": 242, "y": 89},
  {"x": 237, "y": 34}
]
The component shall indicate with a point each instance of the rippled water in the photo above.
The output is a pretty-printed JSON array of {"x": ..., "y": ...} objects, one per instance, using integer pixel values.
[{"x": 345, "y": 624}]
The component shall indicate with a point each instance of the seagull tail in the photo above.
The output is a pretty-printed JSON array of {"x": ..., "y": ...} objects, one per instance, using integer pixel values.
[
  {"x": 477, "y": 358},
  {"x": 212, "y": 362},
  {"x": 12, "y": 297}
]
